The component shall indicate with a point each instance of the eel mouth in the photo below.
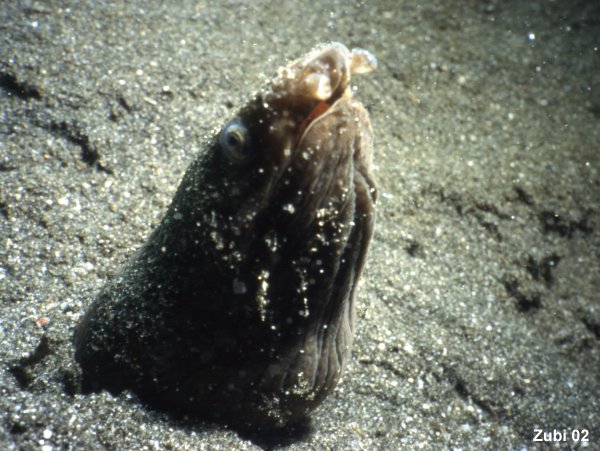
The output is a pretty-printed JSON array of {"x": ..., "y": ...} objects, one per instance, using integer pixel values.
[{"x": 321, "y": 79}]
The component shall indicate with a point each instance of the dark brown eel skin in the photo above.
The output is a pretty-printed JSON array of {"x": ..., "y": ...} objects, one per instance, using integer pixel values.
[{"x": 240, "y": 305}]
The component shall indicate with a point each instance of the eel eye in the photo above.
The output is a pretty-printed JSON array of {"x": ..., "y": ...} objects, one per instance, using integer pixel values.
[{"x": 235, "y": 141}]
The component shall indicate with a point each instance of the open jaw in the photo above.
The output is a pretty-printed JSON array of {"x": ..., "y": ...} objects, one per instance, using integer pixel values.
[{"x": 312, "y": 85}]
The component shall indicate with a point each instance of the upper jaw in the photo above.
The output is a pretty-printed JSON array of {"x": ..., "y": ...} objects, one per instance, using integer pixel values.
[{"x": 324, "y": 74}]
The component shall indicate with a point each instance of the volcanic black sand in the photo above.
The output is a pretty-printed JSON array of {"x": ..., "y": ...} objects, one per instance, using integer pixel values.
[{"x": 479, "y": 311}]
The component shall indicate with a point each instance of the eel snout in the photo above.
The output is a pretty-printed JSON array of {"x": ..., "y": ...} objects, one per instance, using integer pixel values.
[{"x": 324, "y": 73}]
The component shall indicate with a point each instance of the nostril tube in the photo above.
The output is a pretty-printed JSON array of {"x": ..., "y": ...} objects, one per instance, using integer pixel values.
[{"x": 362, "y": 61}]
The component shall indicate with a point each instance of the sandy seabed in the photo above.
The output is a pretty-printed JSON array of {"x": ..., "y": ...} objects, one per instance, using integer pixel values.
[{"x": 479, "y": 311}]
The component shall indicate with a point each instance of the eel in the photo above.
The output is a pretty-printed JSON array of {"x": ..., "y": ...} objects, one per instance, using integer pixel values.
[{"x": 239, "y": 307}]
